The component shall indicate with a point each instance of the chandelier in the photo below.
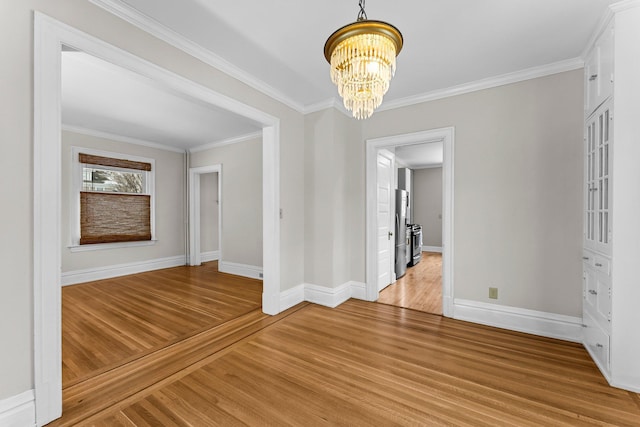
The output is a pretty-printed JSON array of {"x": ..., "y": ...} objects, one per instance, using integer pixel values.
[{"x": 363, "y": 61}]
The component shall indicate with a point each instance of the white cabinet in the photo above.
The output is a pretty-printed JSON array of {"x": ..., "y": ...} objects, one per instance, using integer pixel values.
[
  {"x": 597, "y": 341},
  {"x": 598, "y": 227},
  {"x": 597, "y": 289},
  {"x": 611, "y": 288},
  {"x": 599, "y": 71}
]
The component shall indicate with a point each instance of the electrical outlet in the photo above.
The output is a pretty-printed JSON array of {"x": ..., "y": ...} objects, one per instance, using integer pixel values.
[{"x": 493, "y": 293}]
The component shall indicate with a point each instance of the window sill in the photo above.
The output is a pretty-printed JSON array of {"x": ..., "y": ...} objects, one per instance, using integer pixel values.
[{"x": 118, "y": 245}]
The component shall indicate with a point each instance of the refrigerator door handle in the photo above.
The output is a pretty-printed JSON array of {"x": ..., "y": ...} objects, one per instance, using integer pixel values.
[{"x": 397, "y": 226}]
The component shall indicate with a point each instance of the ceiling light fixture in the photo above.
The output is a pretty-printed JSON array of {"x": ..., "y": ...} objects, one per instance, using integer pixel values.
[{"x": 363, "y": 61}]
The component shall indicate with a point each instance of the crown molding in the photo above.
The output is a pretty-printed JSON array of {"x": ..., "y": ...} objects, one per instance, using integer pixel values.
[
  {"x": 488, "y": 83},
  {"x": 322, "y": 105},
  {"x": 120, "y": 138},
  {"x": 228, "y": 141},
  {"x": 624, "y": 5},
  {"x": 144, "y": 22},
  {"x": 153, "y": 27},
  {"x": 327, "y": 103},
  {"x": 606, "y": 18}
]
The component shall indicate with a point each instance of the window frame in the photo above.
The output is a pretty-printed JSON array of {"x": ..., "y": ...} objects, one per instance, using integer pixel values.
[
  {"x": 77, "y": 187},
  {"x": 145, "y": 177}
]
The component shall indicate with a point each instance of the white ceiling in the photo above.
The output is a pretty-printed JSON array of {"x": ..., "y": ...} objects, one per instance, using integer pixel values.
[
  {"x": 104, "y": 98},
  {"x": 277, "y": 46},
  {"x": 418, "y": 156},
  {"x": 447, "y": 43}
]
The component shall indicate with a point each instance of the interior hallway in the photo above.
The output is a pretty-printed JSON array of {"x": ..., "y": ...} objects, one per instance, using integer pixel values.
[{"x": 420, "y": 288}]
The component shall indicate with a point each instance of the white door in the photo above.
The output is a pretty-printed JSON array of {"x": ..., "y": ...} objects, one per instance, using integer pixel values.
[{"x": 385, "y": 214}]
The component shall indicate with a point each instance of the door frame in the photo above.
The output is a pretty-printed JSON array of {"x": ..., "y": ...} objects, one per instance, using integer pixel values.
[
  {"x": 49, "y": 36},
  {"x": 194, "y": 211},
  {"x": 447, "y": 136}
]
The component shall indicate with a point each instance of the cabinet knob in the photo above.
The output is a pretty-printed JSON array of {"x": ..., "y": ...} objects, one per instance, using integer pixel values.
[
  {"x": 599, "y": 345},
  {"x": 598, "y": 264},
  {"x": 586, "y": 258},
  {"x": 592, "y": 292},
  {"x": 593, "y": 77}
]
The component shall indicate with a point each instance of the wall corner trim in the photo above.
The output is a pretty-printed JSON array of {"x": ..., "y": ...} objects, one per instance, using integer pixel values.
[
  {"x": 329, "y": 297},
  {"x": 322, "y": 295},
  {"x": 541, "y": 323},
  {"x": 291, "y": 297},
  {"x": 210, "y": 256},
  {"x": 358, "y": 290},
  {"x": 18, "y": 410},
  {"x": 244, "y": 270}
]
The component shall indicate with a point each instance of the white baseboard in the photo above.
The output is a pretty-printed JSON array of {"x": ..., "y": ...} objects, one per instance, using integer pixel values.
[
  {"x": 329, "y": 297},
  {"x": 432, "y": 249},
  {"x": 99, "y": 273},
  {"x": 358, "y": 290},
  {"x": 209, "y": 256},
  {"x": 251, "y": 271},
  {"x": 291, "y": 297},
  {"x": 322, "y": 295},
  {"x": 19, "y": 410},
  {"x": 520, "y": 319}
]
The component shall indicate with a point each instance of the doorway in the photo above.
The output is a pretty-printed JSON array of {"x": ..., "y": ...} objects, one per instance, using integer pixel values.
[
  {"x": 373, "y": 146},
  {"x": 421, "y": 287},
  {"x": 205, "y": 197},
  {"x": 49, "y": 36}
]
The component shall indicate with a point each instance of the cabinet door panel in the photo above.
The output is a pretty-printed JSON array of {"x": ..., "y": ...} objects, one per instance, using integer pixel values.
[
  {"x": 605, "y": 49},
  {"x": 603, "y": 300},
  {"x": 599, "y": 156},
  {"x": 590, "y": 184},
  {"x": 597, "y": 341},
  {"x": 591, "y": 289},
  {"x": 591, "y": 81}
]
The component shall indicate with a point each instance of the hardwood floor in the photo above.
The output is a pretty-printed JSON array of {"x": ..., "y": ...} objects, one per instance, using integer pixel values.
[
  {"x": 420, "y": 288},
  {"x": 358, "y": 364},
  {"x": 108, "y": 323}
]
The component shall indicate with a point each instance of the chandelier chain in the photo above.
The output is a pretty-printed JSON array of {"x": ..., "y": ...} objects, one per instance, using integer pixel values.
[{"x": 362, "y": 15}]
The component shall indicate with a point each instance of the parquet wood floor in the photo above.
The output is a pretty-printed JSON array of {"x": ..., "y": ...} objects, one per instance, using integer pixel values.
[
  {"x": 420, "y": 288},
  {"x": 108, "y": 323},
  {"x": 362, "y": 364}
]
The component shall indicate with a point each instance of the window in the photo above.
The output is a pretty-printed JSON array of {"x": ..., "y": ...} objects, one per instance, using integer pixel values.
[{"x": 113, "y": 198}]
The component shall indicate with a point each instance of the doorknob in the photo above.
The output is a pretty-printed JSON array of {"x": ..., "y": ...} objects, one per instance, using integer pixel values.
[{"x": 390, "y": 234}]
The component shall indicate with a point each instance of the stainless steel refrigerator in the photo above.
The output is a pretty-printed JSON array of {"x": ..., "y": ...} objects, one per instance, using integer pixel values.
[{"x": 401, "y": 233}]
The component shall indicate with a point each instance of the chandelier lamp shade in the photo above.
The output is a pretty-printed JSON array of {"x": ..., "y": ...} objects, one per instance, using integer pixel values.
[{"x": 363, "y": 61}]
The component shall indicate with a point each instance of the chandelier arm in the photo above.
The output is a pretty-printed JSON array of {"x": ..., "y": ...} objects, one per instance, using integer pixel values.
[{"x": 362, "y": 15}]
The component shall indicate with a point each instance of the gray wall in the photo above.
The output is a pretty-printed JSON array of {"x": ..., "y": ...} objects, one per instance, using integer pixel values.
[
  {"x": 518, "y": 188},
  {"x": 427, "y": 204},
  {"x": 209, "y": 212},
  {"x": 169, "y": 193},
  {"x": 331, "y": 139},
  {"x": 241, "y": 239},
  {"x": 16, "y": 161}
]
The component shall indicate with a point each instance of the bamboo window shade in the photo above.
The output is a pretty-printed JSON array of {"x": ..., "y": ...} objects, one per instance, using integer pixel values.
[
  {"x": 117, "y": 163},
  {"x": 107, "y": 217}
]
